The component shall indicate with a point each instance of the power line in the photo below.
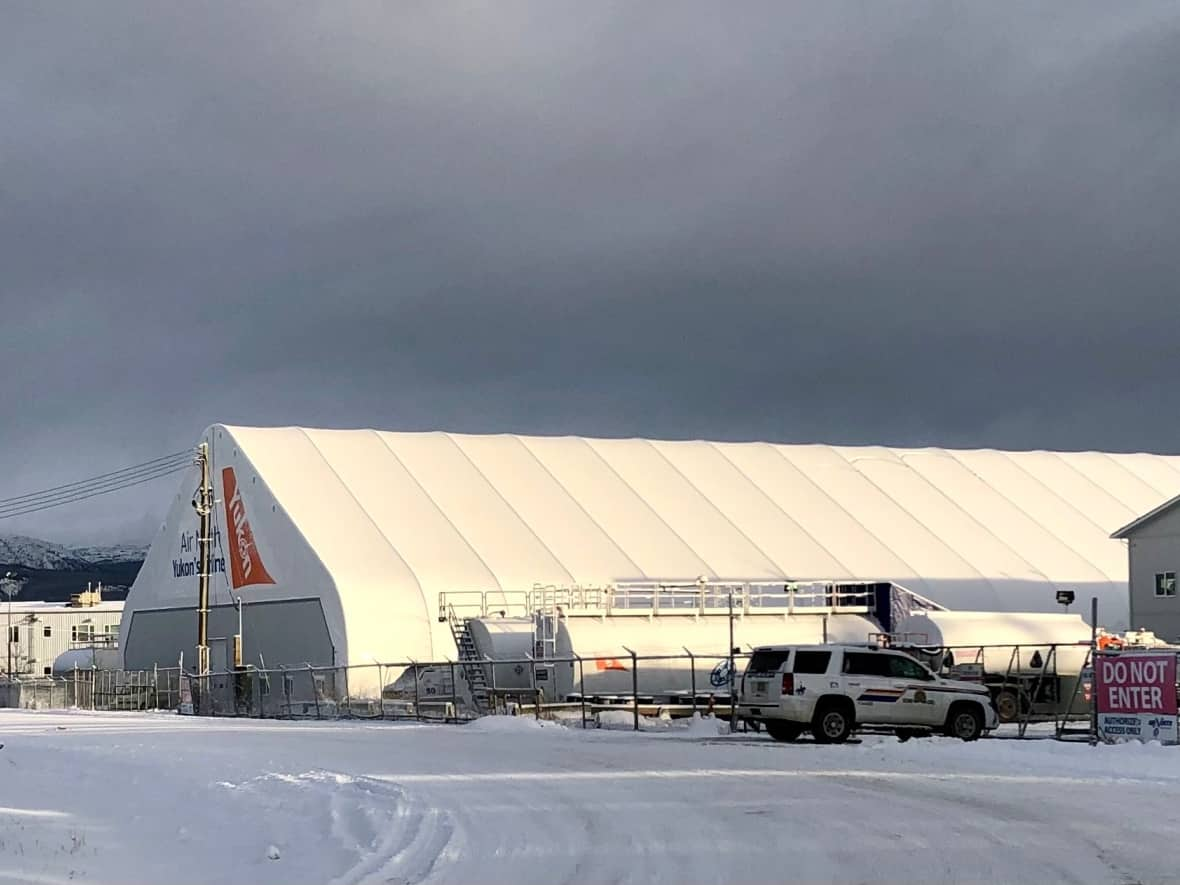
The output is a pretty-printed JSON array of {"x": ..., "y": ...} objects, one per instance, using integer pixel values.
[
  {"x": 35, "y": 507},
  {"x": 187, "y": 455},
  {"x": 86, "y": 488},
  {"x": 98, "y": 485}
]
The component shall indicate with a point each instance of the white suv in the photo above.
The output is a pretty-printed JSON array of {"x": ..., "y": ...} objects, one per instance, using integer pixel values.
[{"x": 832, "y": 690}]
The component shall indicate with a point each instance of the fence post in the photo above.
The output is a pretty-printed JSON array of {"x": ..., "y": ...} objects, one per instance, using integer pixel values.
[
  {"x": 1094, "y": 670},
  {"x": 414, "y": 671},
  {"x": 582, "y": 687},
  {"x": 692, "y": 673},
  {"x": 492, "y": 697},
  {"x": 454, "y": 690},
  {"x": 381, "y": 690},
  {"x": 314, "y": 691},
  {"x": 634, "y": 687}
]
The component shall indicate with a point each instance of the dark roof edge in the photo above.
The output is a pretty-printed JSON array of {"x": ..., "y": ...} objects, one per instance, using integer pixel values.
[{"x": 1151, "y": 515}]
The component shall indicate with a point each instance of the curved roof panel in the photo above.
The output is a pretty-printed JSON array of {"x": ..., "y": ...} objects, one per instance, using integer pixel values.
[{"x": 979, "y": 529}]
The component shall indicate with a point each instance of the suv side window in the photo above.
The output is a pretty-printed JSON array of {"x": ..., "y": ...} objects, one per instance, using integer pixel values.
[
  {"x": 901, "y": 667},
  {"x": 766, "y": 661},
  {"x": 866, "y": 663},
  {"x": 812, "y": 661}
]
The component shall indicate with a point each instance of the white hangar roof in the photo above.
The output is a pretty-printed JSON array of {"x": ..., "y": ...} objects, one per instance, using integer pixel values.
[{"x": 435, "y": 512}]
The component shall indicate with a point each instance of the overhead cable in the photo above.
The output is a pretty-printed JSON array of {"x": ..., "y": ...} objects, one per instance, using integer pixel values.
[
  {"x": 98, "y": 485},
  {"x": 175, "y": 457}
]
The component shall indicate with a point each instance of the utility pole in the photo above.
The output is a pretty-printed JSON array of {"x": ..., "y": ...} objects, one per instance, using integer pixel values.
[{"x": 204, "y": 507}]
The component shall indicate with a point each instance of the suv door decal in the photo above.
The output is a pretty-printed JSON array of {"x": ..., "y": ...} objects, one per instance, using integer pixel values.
[{"x": 881, "y": 696}]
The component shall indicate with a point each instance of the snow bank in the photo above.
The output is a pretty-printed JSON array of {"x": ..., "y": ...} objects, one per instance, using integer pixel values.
[
  {"x": 697, "y": 726},
  {"x": 705, "y": 726},
  {"x": 514, "y": 725}
]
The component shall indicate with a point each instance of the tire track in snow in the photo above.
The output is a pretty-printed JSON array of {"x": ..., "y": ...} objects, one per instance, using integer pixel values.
[{"x": 395, "y": 837}]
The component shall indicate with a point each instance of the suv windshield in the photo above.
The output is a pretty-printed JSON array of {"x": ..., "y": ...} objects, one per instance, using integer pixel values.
[{"x": 767, "y": 661}]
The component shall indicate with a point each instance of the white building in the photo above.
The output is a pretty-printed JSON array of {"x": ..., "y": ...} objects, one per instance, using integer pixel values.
[
  {"x": 340, "y": 543},
  {"x": 38, "y": 632}
]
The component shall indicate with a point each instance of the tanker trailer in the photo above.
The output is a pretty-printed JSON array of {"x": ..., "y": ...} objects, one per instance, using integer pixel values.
[
  {"x": 1030, "y": 661},
  {"x": 675, "y": 654}
]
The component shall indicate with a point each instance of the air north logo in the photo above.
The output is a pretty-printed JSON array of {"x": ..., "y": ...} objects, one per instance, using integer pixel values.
[{"x": 245, "y": 565}]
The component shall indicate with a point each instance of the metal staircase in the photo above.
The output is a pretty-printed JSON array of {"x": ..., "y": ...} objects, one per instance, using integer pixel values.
[{"x": 470, "y": 661}]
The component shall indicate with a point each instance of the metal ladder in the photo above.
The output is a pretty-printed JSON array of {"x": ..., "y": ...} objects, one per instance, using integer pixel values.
[
  {"x": 470, "y": 661},
  {"x": 545, "y": 625},
  {"x": 545, "y": 638}
]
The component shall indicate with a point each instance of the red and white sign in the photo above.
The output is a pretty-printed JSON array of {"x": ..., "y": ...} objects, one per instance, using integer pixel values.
[
  {"x": 245, "y": 564},
  {"x": 1135, "y": 696}
]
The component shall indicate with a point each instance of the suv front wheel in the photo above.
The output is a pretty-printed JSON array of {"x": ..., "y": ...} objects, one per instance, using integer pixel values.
[
  {"x": 965, "y": 722},
  {"x": 833, "y": 722}
]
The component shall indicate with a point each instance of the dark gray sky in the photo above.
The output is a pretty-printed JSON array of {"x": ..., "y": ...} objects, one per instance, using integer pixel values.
[{"x": 908, "y": 223}]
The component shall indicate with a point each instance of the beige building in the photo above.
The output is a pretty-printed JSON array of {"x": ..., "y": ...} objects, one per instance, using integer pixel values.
[{"x": 37, "y": 632}]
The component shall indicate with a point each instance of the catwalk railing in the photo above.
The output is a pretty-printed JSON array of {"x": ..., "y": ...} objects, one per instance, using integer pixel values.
[{"x": 647, "y": 598}]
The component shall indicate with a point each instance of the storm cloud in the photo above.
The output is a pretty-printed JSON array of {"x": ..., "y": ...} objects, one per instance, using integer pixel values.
[{"x": 908, "y": 223}]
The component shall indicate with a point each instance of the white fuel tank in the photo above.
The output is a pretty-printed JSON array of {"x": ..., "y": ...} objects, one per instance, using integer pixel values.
[
  {"x": 606, "y": 666},
  {"x": 992, "y": 638}
]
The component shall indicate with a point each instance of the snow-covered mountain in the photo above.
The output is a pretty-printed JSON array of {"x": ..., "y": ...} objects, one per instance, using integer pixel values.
[
  {"x": 38, "y": 554},
  {"x": 112, "y": 553}
]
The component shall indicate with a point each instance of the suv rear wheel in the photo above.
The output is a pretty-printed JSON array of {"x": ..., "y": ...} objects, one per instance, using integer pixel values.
[
  {"x": 783, "y": 731},
  {"x": 833, "y": 722},
  {"x": 965, "y": 722}
]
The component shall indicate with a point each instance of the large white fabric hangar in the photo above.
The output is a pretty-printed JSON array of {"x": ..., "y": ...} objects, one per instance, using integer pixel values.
[{"x": 349, "y": 547}]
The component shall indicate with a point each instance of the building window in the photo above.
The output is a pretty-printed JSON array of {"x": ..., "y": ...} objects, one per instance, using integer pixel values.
[
  {"x": 48, "y": 671},
  {"x": 47, "y": 631},
  {"x": 14, "y": 633},
  {"x": 82, "y": 633},
  {"x": 1165, "y": 583}
]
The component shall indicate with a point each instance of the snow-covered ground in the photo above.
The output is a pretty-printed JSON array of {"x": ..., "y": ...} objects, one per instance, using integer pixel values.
[{"x": 113, "y": 798}]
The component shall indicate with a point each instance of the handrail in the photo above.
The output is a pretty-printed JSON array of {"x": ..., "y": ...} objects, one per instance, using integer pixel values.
[{"x": 654, "y": 598}]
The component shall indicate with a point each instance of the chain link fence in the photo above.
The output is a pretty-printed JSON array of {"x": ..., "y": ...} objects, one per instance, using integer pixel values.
[
  {"x": 93, "y": 689},
  {"x": 1029, "y": 684},
  {"x": 451, "y": 691}
]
